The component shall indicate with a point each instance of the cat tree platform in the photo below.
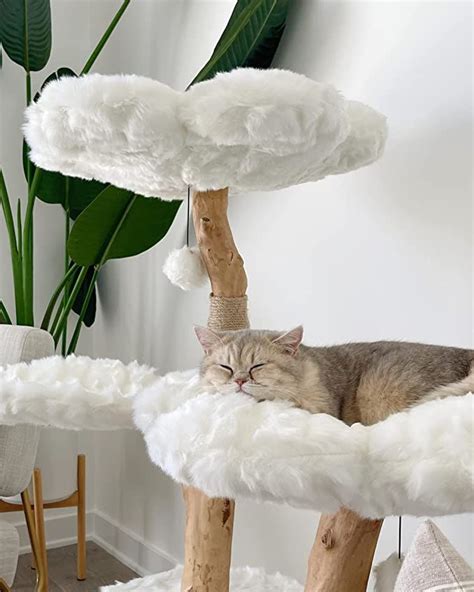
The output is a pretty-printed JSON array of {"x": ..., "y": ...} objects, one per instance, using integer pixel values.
[{"x": 418, "y": 462}]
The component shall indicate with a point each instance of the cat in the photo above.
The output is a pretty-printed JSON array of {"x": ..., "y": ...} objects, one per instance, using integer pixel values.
[{"x": 355, "y": 382}]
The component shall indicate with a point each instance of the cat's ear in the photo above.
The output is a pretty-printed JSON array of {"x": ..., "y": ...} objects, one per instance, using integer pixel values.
[
  {"x": 290, "y": 340},
  {"x": 207, "y": 338}
]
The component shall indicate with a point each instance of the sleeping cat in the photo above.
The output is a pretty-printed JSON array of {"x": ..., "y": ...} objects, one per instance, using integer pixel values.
[{"x": 356, "y": 382}]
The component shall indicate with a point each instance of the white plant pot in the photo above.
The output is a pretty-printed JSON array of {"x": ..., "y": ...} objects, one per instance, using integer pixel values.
[{"x": 57, "y": 454}]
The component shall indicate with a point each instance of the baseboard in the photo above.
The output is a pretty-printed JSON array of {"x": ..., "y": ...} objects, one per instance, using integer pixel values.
[
  {"x": 129, "y": 548},
  {"x": 60, "y": 529},
  {"x": 123, "y": 544}
]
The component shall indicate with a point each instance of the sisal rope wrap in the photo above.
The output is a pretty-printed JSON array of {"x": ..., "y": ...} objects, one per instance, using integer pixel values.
[{"x": 228, "y": 314}]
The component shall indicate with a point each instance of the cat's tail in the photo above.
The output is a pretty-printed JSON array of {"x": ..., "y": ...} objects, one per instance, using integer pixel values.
[{"x": 459, "y": 388}]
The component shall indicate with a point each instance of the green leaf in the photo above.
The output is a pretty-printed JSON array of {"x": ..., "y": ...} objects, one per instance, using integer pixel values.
[
  {"x": 25, "y": 32},
  {"x": 118, "y": 224},
  {"x": 250, "y": 38},
  {"x": 4, "y": 316},
  {"x": 60, "y": 73},
  {"x": 89, "y": 317}
]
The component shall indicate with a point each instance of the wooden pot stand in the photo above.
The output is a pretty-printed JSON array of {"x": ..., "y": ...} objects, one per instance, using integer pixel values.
[{"x": 34, "y": 517}]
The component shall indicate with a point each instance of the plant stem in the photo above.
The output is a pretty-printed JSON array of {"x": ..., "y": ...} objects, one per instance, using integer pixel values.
[
  {"x": 103, "y": 40},
  {"x": 28, "y": 88},
  {"x": 14, "y": 253},
  {"x": 19, "y": 230},
  {"x": 77, "y": 329},
  {"x": 66, "y": 261},
  {"x": 67, "y": 307},
  {"x": 27, "y": 260},
  {"x": 54, "y": 298},
  {"x": 103, "y": 259}
]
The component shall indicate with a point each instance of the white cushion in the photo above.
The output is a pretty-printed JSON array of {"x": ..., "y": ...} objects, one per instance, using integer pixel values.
[
  {"x": 433, "y": 564},
  {"x": 18, "y": 444}
]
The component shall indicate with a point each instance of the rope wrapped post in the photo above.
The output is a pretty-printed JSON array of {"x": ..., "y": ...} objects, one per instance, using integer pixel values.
[{"x": 209, "y": 522}]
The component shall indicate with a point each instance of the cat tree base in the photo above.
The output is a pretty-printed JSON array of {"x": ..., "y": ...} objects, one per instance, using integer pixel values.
[{"x": 242, "y": 579}]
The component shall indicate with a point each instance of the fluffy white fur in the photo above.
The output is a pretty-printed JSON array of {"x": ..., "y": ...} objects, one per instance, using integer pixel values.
[
  {"x": 248, "y": 129},
  {"x": 185, "y": 268},
  {"x": 120, "y": 129},
  {"x": 75, "y": 393},
  {"x": 418, "y": 462},
  {"x": 242, "y": 579},
  {"x": 386, "y": 573}
]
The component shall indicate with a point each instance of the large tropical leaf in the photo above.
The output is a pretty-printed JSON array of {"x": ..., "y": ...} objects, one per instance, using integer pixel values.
[
  {"x": 117, "y": 224},
  {"x": 91, "y": 310},
  {"x": 25, "y": 32},
  {"x": 250, "y": 39}
]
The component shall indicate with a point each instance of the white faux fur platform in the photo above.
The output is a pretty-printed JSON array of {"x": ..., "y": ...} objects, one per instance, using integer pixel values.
[
  {"x": 419, "y": 462},
  {"x": 243, "y": 579},
  {"x": 247, "y": 129},
  {"x": 74, "y": 393}
]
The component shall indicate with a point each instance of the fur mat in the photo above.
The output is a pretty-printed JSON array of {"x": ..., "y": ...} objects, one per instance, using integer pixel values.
[
  {"x": 247, "y": 129},
  {"x": 242, "y": 579},
  {"x": 75, "y": 393},
  {"x": 418, "y": 462}
]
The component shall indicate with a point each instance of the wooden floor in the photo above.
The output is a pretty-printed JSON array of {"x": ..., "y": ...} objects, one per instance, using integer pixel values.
[{"x": 102, "y": 569}]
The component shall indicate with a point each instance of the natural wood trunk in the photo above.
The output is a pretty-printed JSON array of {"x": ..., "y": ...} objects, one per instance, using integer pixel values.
[
  {"x": 209, "y": 522},
  {"x": 208, "y": 542},
  {"x": 342, "y": 554},
  {"x": 224, "y": 264}
]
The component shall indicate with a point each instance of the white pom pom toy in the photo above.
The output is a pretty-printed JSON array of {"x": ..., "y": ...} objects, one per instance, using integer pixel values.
[{"x": 185, "y": 268}]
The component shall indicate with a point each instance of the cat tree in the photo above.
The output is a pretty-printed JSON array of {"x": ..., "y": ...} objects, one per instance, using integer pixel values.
[{"x": 245, "y": 130}]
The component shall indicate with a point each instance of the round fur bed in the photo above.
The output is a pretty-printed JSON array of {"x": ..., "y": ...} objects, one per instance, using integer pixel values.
[{"x": 418, "y": 462}]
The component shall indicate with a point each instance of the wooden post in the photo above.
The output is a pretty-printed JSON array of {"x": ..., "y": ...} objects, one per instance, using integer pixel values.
[
  {"x": 209, "y": 522},
  {"x": 39, "y": 525},
  {"x": 223, "y": 262},
  {"x": 341, "y": 557},
  {"x": 81, "y": 518}
]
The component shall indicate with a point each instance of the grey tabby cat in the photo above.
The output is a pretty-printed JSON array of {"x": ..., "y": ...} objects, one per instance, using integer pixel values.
[{"x": 356, "y": 382}]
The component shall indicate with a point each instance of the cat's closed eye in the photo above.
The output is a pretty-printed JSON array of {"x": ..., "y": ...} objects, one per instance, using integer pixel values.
[
  {"x": 255, "y": 367},
  {"x": 228, "y": 368}
]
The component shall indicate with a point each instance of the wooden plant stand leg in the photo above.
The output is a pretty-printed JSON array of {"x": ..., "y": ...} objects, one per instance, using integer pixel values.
[
  {"x": 342, "y": 554},
  {"x": 42, "y": 559},
  {"x": 3, "y": 586},
  {"x": 209, "y": 522},
  {"x": 81, "y": 518}
]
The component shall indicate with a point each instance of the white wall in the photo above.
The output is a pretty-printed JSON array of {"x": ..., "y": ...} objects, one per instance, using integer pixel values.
[{"x": 385, "y": 252}]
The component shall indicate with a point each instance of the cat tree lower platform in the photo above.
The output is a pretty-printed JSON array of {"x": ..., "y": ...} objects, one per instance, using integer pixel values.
[{"x": 418, "y": 462}]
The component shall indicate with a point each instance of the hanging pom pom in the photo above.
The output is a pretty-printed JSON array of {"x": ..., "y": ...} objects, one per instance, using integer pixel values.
[{"x": 185, "y": 268}]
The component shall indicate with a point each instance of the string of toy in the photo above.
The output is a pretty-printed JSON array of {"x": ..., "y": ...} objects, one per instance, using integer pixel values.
[
  {"x": 188, "y": 215},
  {"x": 399, "y": 537}
]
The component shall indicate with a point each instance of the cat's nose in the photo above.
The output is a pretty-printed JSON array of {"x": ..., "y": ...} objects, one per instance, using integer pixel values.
[{"x": 241, "y": 381}]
